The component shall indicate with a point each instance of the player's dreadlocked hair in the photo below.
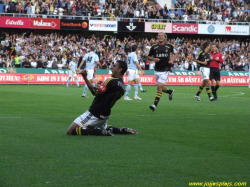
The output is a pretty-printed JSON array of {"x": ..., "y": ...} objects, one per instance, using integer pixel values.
[{"x": 204, "y": 46}]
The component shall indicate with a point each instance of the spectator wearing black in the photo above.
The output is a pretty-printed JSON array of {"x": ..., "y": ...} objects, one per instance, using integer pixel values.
[
  {"x": 104, "y": 64},
  {"x": 54, "y": 64},
  {"x": 40, "y": 64},
  {"x": 45, "y": 10},
  {"x": 26, "y": 63},
  {"x": 79, "y": 10}
]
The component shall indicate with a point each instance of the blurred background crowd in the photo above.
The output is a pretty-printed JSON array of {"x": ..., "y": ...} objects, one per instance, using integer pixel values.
[
  {"x": 204, "y": 11},
  {"x": 55, "y": 50}
]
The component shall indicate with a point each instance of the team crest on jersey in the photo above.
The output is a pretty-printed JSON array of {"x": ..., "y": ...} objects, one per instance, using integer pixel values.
[{"x": 166, "y": 50}]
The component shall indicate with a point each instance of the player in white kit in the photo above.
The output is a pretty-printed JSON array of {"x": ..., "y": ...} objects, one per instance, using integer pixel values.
[
  {"x": 91, "y": 60},
  {"x": 72, "y": 72},
  {"x": 133, "y": 73}
]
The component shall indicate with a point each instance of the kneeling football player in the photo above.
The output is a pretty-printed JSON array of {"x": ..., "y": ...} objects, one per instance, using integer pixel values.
[{"x": 94, "y": 120}]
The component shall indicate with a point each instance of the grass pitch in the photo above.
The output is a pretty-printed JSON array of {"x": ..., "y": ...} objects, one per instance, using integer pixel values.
[{"x": 183, "y": 141}]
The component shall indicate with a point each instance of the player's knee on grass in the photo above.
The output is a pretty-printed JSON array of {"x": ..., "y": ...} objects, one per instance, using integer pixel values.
[{"x": 71, "y": 128}]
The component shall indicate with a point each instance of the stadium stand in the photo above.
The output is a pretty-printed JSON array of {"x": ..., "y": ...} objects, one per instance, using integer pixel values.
[
  {"x": 179, "y": 10},
  {"x": 54, "y": 50}
]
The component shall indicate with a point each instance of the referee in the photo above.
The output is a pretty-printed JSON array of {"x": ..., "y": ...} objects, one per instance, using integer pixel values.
[{"x": 216, "y": 59}]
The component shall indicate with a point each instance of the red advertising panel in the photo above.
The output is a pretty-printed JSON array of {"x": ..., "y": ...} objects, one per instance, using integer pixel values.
[
  {"x": 185, "y": 28},
  {"x": 26, "y": 78},
  {"x": 23, "y": 78},
  {"x": 41, "y": 23},
  {"x": 14, "y": 22}
]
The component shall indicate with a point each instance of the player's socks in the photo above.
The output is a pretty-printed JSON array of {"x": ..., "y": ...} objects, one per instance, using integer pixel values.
[
  {"x": 136, "y": 90},
  {"x": 216, "y": 88},
  {"x": 208, "y": 91},
  {"x": 127, "y": 90},
  {"x": 85, "y": 89},
  {"x": 140, "y": 86},
  {"x": 213, "y": 89},
  {"x": 114, "y": 130},
  {"x": 157, "y": 98},
  {"x": 200, "y": 90},
  {"x": 77, "y": 82},
  {"x": 68, "y": 82},
  {"x": 166, "y": 90},
  {"x": 81, "y": 131},
  {"x": 124, "y": 130}
]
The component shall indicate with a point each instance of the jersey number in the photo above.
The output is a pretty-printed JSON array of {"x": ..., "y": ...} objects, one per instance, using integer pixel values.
[
  {"x": 89, "y": 59},
  {"x": 129, "y": 60}
]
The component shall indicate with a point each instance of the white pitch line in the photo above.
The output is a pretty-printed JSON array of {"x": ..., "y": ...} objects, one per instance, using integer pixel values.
[
  {"x": 239, "y": 93},
  {"x": 231, "y": 96}
]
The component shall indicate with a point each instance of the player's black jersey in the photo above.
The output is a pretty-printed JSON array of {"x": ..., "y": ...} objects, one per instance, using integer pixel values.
[
  {"x": 163, "y": 53},
  {"x": 204, "y": 57},
  {"x": 103, "y": 102}
]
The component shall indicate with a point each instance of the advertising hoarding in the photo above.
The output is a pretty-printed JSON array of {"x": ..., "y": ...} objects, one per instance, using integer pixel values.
[
  {"x": 14, "y": 22},
  {"x": 43, "y": 23},
  {"x": 185, "y": 28},
  {"x": 101, "y": 25},
  {"x": 158, "y": 27},
  {"x": 223, "y": 29},
  {"x": 68, "y": 24},
  {"x": 131, "y": 26}
]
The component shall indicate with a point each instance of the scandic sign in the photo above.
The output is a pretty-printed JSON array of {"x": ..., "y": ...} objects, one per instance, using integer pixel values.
[
  {"x": 24, "y": 78},
  {"x": 40, "y": 23},
  {"x": 14, "y": 22},
  {"x": 185, "y": 28}
]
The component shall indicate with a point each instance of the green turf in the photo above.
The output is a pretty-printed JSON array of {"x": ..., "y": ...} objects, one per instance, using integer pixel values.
[{"x": 183, "y": 141}]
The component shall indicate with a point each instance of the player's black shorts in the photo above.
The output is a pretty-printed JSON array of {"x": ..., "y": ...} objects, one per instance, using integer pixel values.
[{"x": 214, "y": 74}]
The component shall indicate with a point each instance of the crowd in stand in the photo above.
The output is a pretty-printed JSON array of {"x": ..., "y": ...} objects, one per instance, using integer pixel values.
[
  {"x": 56, "y": 51},
  {"x": 214, "y": 12},
  {"x": 206, "y": 11}
]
